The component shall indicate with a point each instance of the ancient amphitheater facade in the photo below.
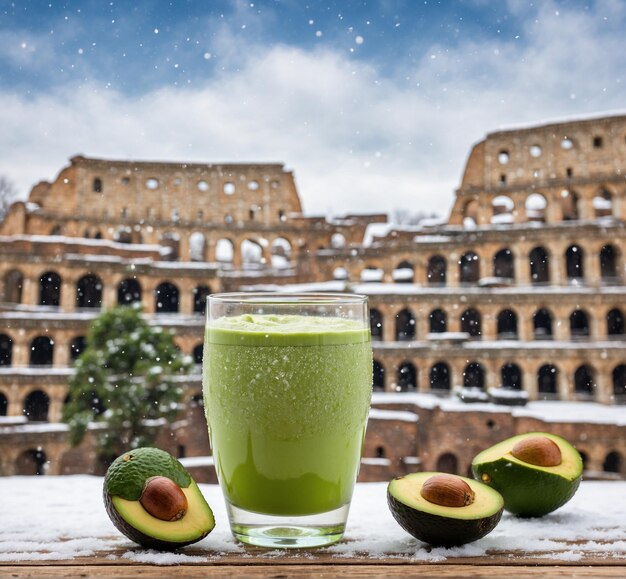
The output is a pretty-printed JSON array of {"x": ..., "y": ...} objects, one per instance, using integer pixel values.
[{"x": 522, "y": 290}]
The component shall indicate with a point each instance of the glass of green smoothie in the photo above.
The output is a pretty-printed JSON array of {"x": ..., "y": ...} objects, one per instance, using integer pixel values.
[{"x": 287, "y": 383}]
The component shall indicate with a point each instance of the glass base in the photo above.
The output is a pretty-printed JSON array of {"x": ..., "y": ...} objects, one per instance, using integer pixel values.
[{"x": 292, "y": 532}]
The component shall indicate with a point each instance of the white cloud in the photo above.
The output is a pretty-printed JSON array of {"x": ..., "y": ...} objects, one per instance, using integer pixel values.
[{"x": 358, "y": 140}]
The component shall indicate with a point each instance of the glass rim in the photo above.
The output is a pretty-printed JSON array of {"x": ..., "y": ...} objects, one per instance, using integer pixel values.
[{"x": 280, "y": 298}]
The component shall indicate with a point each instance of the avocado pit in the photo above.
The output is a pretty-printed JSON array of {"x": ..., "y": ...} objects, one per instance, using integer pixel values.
[
  {"x": 163, "y": 499},
  {"x": 447, "y": 491},
  {"x": 538, "y": 451}
]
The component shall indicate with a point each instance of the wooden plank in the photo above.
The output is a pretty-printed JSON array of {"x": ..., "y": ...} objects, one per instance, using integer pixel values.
[{"x": 314, "y": 570}]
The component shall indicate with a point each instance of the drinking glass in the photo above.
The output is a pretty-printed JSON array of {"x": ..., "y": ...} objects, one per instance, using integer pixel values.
[{"x": 287, "y": 383}]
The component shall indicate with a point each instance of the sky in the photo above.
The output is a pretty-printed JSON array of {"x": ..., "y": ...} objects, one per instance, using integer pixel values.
[{"x": 374, "y": 104}]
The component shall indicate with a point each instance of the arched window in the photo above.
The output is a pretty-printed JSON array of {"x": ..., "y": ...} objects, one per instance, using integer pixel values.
[
  {"x": 97, "y": 185},
  {"x": 440, "y": 376},
  {"x": 281, "y": 253},
  {"x": 31, "y": 462},
  {"x": 170, "y": 241},
  {"x": 77, "y": 346},
  {"x": 608, "y": 263},
  {"x": 251, "y": 253},
  {"x": 502, "y": 209},
  {"x": 89, "y": 292},
  {"x": 584, "y": 380},
  {"x": 36, "y": 406},
  {"x": 200, "y": 295},
  {"x": 539, "y": 266},
  {"x": 615, "y": 323},
  {"x": 471, "y": 210},
  {"x": 470, "y": 323},
  {"x": 448, "y": 463},
  {"x": 511, "y": 375},
  {"x": 612, "y": 462},
  {"x": 224, "y": 251},
  {"x": 340, "y": 273},
  {"x": 507, "y": 325},
  {"x": 197, "y": 353},
  {"x": 547, "y": 377},
  {"x": 574, "y": 262},
  {"x": 371, "y": 273},
  {"x": 197, "y": 246},
  {"x": 578, "y": 325},
  {"x": 13, "y": 284},
  {"x": 542, "y": 324},
  {"x": 536, "y": 207},
  {"x": 403, "y": 273},
  {"x": 376, "y": 325},
  {"x": 438, "y": 321},
  {"x": 407, "y": 378},
  {"x": 50, "y": 289},
  {"x": 437, "y": 267},
  {"x": 128, "y": 292},
  {"x": 469, "y": 268},
  {"x": 619, "y": 382},
  {"x": 379, "y": 376},
  {"x": 569, "y": 205},
  {"x": 4, "y": 404},
  {"x": 503, "y": 264},
  {"x": 474, "y": 376},
  {"x": 405, "y": 326},
  {"x": 41, "y": 351},
  {"x": 6, "y": 350},
  {"x": 603, "y": 204},
  {"x": 166, "y": 298}
]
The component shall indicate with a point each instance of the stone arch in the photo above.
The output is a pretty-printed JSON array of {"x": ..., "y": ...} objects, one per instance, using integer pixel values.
[
  {"x": 198, "y": 351},
  {"x": 471, "y": 322},
  {"x": 602, "y": 203},
  {"x": 31, "y": 462},
  {"x": 574, "y": 258},
  {"x": 502, "y": 208},
  {"x": 507, "y": 325},
  {"x": 542, "y": 324},
  {"x": 615, "y": 322},
  {"x": 536, "y": 205},
  {"x": 471, "y": 211},
  {"x": 12, "y": 286},
  {"x": 376, "y": 325},
  {"x": 619, "y": 382},
  {"x": 579, "y": 324},
  {"x": 4, "y": 404},
  {"x": 378, "y": 376},
  {"x": 123, "y": 234},
  {"x": 448, "y": 463},
  {"x": 469, "y": 267},
  {"x": 437, "y": 269},
  {"x": 166, "y": 298},
  {"x": 281, "y": 252},
  {"x": 77, "y": 346},
  {"x": 406, "y": 379},
  {"x": 372, "y": 273},
  {"x": 609, "y": 259},
  {"x": 612, "y": 462},
  {"x": 440, "y": 376},
  {"x": 504, "y": 264},
  {"x": 585, "y": 380},
  {"x": 539, "y": 262},
  {"x": 41, "y": 351},
  {"x": 251, "y": 253},
  {"x": 50, "y": 289},
  {"x": 89, "y": 292},
  {"x": 224, "y": 250},
  {"x": 200, "y": 295},
  {"x": 474, "y": 376},
  {"x": 36, "y": 406},
  {"x": 547, "y": 380},
  {"x": 404, "y": 272},
  {"x": 128, "y": 292},
  {"x": 405, "y": 325},
  {"x": 437, "y": 321},
  {"x": 197, "y": 246},
  {"x": 6, "y": 350},
  {"x": 569, "y": 205},
  {"x": 511, "y": 376}
]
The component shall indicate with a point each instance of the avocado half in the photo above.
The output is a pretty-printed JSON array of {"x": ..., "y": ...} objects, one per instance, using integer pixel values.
[
  {"x": 124, "y": 485},
  {"x": 443, "y": 526},
  {"x": 530, "y": 490}
]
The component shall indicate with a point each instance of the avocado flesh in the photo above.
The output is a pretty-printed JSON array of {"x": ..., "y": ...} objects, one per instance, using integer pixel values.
[
  {"x": 530, "y": 490},
  {"x": 140, "y": 526},
  {"x": 442, "y": 526}
]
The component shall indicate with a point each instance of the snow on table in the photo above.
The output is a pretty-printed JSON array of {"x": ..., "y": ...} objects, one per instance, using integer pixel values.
[{"x": 63, "y": 518}]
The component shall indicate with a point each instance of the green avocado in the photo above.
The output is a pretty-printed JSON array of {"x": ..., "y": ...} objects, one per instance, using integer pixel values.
[
  {"x": 530, "y": 490},
  {"x": 124, "y": 485},
  {"x": 438, "y": 525}
]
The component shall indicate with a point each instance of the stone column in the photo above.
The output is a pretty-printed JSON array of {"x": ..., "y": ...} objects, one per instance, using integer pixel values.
[
  {"x": 522, "y": 267},
  {"x": 68, "y": 296},
  {"x": 186, "y": 300},
  {"x": 30, "y": 291}
]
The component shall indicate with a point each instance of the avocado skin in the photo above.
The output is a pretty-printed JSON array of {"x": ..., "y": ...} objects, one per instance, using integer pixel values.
[
  {"x": 440, "y": 531},
  {"x": 137, "y": 536},
  {"x": 527, "y": 491}
]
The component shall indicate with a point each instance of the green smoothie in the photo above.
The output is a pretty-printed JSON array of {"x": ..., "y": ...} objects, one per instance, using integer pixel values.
[{"x": 287, "y": 399}]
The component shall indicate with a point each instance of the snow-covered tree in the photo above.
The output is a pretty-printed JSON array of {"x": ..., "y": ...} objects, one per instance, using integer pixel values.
[{"x": 126, "y": 378}]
